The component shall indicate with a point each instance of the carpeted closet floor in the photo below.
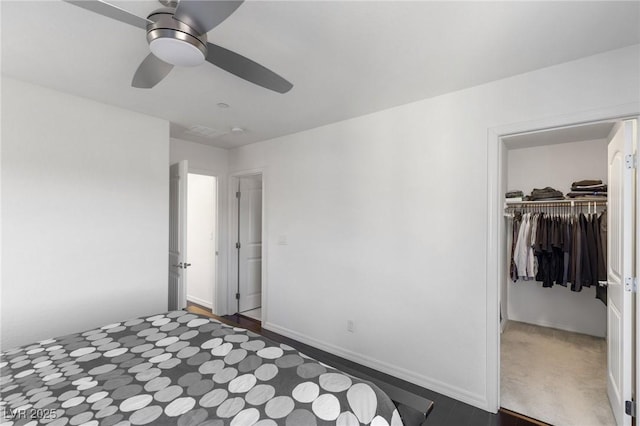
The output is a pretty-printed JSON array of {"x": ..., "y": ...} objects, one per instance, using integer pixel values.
[{"x": 555, "y": 376}]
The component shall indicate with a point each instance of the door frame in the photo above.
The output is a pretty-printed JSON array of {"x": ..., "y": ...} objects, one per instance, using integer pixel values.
[
  {"x": 217, "y": 226},
  {"x": 232, "y": 281},
  {"x": 496, "y": 229}
]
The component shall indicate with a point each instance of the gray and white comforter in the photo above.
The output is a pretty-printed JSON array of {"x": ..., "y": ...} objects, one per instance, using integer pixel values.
[{"x": 181, "y": 369}]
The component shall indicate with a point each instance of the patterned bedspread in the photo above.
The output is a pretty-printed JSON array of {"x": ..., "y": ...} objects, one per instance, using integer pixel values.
[{"x": 181, "y": 369}]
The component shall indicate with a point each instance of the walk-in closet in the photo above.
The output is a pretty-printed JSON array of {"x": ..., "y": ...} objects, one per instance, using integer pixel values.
[{"x": 553, "y": 297}]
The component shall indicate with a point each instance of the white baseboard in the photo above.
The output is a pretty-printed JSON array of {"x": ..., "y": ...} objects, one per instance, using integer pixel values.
[
  {"x": 503, "y": 324},
  {"x": 200, "y": 302},
  {"x": 401, "y": 373}
]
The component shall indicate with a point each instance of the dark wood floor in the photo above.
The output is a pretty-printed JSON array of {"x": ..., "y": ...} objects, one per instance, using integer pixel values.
[{"x": 446, "y": 411}]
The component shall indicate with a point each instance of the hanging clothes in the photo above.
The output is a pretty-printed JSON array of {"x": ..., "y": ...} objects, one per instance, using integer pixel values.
[
  {"x": 601, "y": 291},
  {"x": 525, "y": 264},
  {"x": 532, "y": 261},
  {"x": 562, "y": 249},
  {"x": 587, "y": 274},
  {"x": 566, "y": 251},
  {"x": 513, "y": 270},
  {"x": 521, "y": 250}
]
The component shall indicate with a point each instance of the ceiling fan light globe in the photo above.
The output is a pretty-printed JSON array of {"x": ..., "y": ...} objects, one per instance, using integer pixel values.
[{"x": 177, "y": 52}]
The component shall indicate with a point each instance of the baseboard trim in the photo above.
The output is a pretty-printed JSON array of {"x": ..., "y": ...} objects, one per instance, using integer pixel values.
[
  {"x": 401, "y": 373},
  {"x": 200, "y": 302}
]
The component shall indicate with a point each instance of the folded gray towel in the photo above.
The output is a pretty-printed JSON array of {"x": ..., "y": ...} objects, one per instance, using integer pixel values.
[
  {"x": 547, "y": 193},
  {"x": 601, "y": 187},
  {"x": 587, "y": 182},
  {"x": 581, "y": 194}
]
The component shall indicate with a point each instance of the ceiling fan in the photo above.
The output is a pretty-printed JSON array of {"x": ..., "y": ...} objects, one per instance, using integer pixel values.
[{"x": 177, "y": 35}]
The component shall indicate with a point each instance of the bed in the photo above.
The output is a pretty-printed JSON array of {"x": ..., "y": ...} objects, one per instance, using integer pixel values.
[{"x": 178, "y": 368}]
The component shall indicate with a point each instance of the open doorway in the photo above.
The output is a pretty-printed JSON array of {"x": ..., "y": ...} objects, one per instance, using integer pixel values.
[
  {"x": 193, "y": 239},
  {"x": 565, "y": 347},
  {"x": 246, "y": 285},
  {"x": 201, "y": 240}
]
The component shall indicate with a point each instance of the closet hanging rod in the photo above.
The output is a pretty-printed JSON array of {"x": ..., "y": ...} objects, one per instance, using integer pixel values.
[{"x": 557, "y": 206}]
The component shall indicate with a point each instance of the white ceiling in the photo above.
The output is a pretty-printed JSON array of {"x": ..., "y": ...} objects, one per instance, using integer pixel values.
[{"x": 345, "y": 58}]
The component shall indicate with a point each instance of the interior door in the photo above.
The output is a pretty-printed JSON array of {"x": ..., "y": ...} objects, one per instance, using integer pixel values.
[
  {"x": 178, "y": 235},
  {"x": 620, "y": 231},
  {"x": 250, "y": 238}
]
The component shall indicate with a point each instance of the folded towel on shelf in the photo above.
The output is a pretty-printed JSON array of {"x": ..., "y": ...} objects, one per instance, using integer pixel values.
[
  {"x": 547, "y": 193},
  {"x": 587, "y": 182},
  {"x": 590, "y": 188},
  {"x": 548, "y": 198},
  {"x": 593, "y": 194},
  {"x": 514, "y": 194}
]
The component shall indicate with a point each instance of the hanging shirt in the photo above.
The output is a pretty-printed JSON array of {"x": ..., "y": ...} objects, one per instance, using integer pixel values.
[
  {"x": 576, "y": 257},
  {"x": 515, "y": 228},
  {"x": 601, "y": 292},
  {"x": 520, "y": 255},
  {"x": 532, "y": 263},
  {"x": 587, "y": 248},
  {"x": 566, "y": 248}
]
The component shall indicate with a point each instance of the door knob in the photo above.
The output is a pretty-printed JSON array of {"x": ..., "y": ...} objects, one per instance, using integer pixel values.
[{"x": 186, "y": 265}]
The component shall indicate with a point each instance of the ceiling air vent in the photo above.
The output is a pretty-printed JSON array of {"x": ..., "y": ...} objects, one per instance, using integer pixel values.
[{"x": 205, "y": 132}]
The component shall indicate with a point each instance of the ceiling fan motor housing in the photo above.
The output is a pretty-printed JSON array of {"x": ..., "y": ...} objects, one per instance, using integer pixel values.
[{"x": 174, "y": 41}]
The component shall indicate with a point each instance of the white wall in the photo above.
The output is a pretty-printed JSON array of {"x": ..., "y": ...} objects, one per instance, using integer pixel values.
[
  {"x": 557, "y": 166},
  {"x": 201, "y": 157},
  {"x": 85, "y": 213},
  {"x": 212, "y": 161},
  {"x": 201, "y": 239},
  {"x": 386, "y": 221}
]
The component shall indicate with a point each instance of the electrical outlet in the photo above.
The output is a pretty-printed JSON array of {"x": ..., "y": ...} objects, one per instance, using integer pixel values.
[{"x": 350, "y": 326}]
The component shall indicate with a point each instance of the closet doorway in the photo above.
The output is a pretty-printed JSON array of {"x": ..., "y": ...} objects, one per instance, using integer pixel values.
[
  {"x": 247, "y": 232},
  {"x": 202, "y": 196},
  {"x": 565, "y": 355}
]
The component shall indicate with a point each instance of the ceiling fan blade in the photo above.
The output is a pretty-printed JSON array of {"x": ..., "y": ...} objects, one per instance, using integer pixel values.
[
  {"x": 247, "y": 69},
  {"x": 203, "y": 15},
  {"x": 111, "y": 11},
  {"x": 150, "y": 72}
]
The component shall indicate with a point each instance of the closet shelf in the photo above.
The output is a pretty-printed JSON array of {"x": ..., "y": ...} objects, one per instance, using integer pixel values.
[
  {"x": 581, "y": 201},
  {"x": 588, "y": 205}
]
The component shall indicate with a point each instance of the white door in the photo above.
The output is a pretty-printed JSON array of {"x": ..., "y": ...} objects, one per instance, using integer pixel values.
[
  {"x": 620, "y": 231},
  {"x": 178, "y": 235},
  {"x": 250, "y": 239}
]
